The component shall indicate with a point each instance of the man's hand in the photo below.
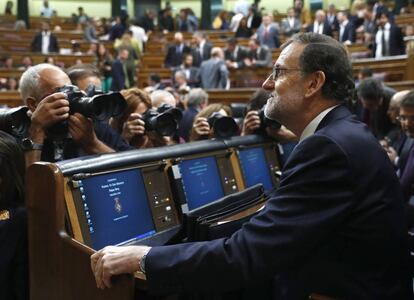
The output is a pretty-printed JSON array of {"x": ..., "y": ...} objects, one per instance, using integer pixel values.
[
  {"x": 200, "y": 128},
  {"x": 82, "y": 131},
  {"x": 251, "y": 122},
  {"x": 50, "y": 110},
  {"x": 133, "y": 126},
  {"x": 113, "y": 260}
]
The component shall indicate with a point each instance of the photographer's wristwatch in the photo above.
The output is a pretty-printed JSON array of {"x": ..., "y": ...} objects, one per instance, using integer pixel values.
[{"x": 28, "y": 145}]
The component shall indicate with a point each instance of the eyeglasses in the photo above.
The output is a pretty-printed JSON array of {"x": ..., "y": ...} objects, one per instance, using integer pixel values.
[
  {"x": 405, "y": 118},
  {"x": 278, "y": 72}
]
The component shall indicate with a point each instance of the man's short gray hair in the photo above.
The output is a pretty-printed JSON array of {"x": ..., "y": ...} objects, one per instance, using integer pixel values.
[
  {"x": 197, "y": 97},
  {"x": 29, "y": 81},
  {"x": 160, "y": 97}
]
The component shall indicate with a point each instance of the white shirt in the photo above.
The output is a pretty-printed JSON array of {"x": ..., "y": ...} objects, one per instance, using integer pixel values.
[
  {"x": 46, "y": 12},
  {"x": 378, "y": 39},
  {"x": 201, "y": 47},
  {"x": 318, "y": 28},
  {"x": 291, "y": 22},
  {"x": 139, "y": 34},
  {"x": 311, "y": 127},
  {"x": 342, "y": 29},
  {"x": 45, "y": 42}
]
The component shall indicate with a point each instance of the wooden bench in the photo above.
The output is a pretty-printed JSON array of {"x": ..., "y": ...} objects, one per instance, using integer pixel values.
[
  {"x": 10, "y": 98},
  {"x": 29, "y": 34},
  {"x": 6, "y": 73},
  {"x": 406, "y": 19},
  {"x": 37, "y": 58},
  {"x": 230, "y": 96}
]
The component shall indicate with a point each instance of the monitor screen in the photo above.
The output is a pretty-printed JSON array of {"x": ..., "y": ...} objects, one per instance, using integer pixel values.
[
  {"x": 116, "y": 208},
  {"x": 201, "y": 181},
  {"x": 255, "y": 168}
]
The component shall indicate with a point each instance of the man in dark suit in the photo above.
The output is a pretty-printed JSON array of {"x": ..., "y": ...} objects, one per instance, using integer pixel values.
[
  {"x": 119, "y": 71},
  {"x": 335, "y": 225},
  {"x": 320, "y": 25},
  {"x": 388, "y": 39},
  {"x": 176, "y": 51},
  {"x": 331, "y": 17},
  {"x": 192, "y": 74},
  {"x": 373, "y": 106},
  {"x": 234, "y": 54},
  {"x": 290, "y": 25},
  {"x": 258, "y": 55},
  {"x": 202, "y": 49},
  {"x": 347, "y": 34},
  {"x": 267, "y": 33},
  {"x": 45, "y": 41},
  {"x": 213, "y": 72}
]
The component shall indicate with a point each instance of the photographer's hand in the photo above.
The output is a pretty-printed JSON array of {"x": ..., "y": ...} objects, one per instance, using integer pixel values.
[
  {"x": 251, "y": 122},
  {"x": 82, "y": 132},
  {"x": 200, "y": 128},
  {"x": 50, "y": 110},
  {"x": 133, "y": 126}
]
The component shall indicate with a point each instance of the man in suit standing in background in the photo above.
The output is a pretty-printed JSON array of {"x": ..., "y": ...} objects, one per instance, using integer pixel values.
[
  {"x": 335, "y": 225},
  {"x": 347, "y": 34},
  {"x": 267, "y": 33},
  {"x": 202, "y": 49},
  {"x": 176, "y": 51},
  {"x": 45, "y": 41},
  {"x": 213, "y": 72},
  {"x": 290, "y": 25},
  {"x": 389, "y": 40},
  {"x": 320, "y": 25},
  {"x": 234, "y": 54}
]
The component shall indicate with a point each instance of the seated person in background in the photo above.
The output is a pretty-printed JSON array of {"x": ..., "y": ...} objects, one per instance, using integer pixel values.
[
  {"x": 347, "y": 34},
  {"x": 191, "y": 73},
  {"x": 45, "y": 41},
  {"x": 38, "y": 89},
  {"x": 213, "y": 72},
  {"x": 180, "y": 80},
  {"x": 201, "y": 127},
  {"x": 321, "y": 25},
  {"x": 267, "y": 33},
  {"x": 373, "y": 101},
  {"x": 154, "y": 83},
  {"x": 197, "y": 101},
  {"x": 7, "y": 63},
  {"x": 175, "y": 52},
  {"x": 234, "y": 54},
  {"x": 243, "y": 31},
  {"x": 258, "y": 55},
  {"x": 290, "y": 25},
  {"x": 26, "y": 63},
  {"x": 14, "y": 281},
  {"x": 46, "y": 10},
  {"x": 395, "y": 136}
]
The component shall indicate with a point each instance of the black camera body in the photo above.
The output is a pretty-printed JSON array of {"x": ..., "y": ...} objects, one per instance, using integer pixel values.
[
  {"x": 266, "y": 122},
  {"x": 223, "y": 126},
  {"x": 163, "y": 120},
  {"x": 94, "y": 104},
  {"x": 15, "y": 121}
]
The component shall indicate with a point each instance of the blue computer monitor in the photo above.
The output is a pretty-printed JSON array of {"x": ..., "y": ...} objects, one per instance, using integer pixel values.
[
  {"x": 116, "y": 208},
  {"x": 255, "y": 168},
  {"x": 201, "y": 181}
]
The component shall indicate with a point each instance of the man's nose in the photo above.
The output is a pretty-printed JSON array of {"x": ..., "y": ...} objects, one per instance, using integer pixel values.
[{"x": 269, "y": 84}]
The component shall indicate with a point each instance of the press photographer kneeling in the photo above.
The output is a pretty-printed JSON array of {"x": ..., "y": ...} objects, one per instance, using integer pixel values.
[{"x": 58, "y": 130}]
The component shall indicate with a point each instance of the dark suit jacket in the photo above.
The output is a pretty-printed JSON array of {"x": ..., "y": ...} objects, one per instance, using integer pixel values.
[
  {"x": 14, "y": 281},
  {"x": 194, "y": 79},
  {"x": 197, "y": 59},
  {"x": 118, "y": 76},
  {"x": 186, "y": 123},
  {"x": 37, "y": 43},
  {"x": 241, "y": 54},
  {"x": 349, "y": 33},
  {"x": 335, "y": 226},
  {"x": 173, "y": 59},
  {"x": 263, "y": 56},
  {"x": 327, "y": 30},
  {"x": 395, "y": 42}
]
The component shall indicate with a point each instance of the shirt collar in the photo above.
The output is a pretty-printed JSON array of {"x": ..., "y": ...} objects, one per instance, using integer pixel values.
[{"x": 311, "y": 127}]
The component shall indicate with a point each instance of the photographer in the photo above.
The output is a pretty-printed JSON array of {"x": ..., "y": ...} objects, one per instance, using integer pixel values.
[
  {"x": 38, "y": 86},
  {"x": 202, "y": 126}
]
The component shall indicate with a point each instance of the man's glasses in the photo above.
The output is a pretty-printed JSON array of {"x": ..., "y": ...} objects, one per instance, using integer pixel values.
[
  {"x": 279, "y": 71},
  {"x": 405, "y": 118}
]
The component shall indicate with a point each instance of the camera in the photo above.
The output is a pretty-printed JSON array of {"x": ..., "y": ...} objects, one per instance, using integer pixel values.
[
  {"x": 15, "y": 121},
  {"x": 163, "y": 120},
  {"x": 266, "y": 122},
  {"x": 94, "y": 104},
  {"x": 223, "y": 127}
]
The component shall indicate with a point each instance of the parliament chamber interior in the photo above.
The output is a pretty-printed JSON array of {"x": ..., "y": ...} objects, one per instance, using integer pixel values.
[{"x": 148, "y": 123}]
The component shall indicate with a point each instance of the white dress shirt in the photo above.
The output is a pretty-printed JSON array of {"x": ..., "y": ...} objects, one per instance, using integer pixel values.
[
  {"x": 45, "y": 42},
  {"x": 378, "y": 39},
  {"x": 311, "y": 127}
]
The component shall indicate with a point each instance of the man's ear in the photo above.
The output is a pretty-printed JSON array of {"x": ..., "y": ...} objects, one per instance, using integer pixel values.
[
  {"x": 31, "y": 103},
  {"x": 315, "y": 83}
]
